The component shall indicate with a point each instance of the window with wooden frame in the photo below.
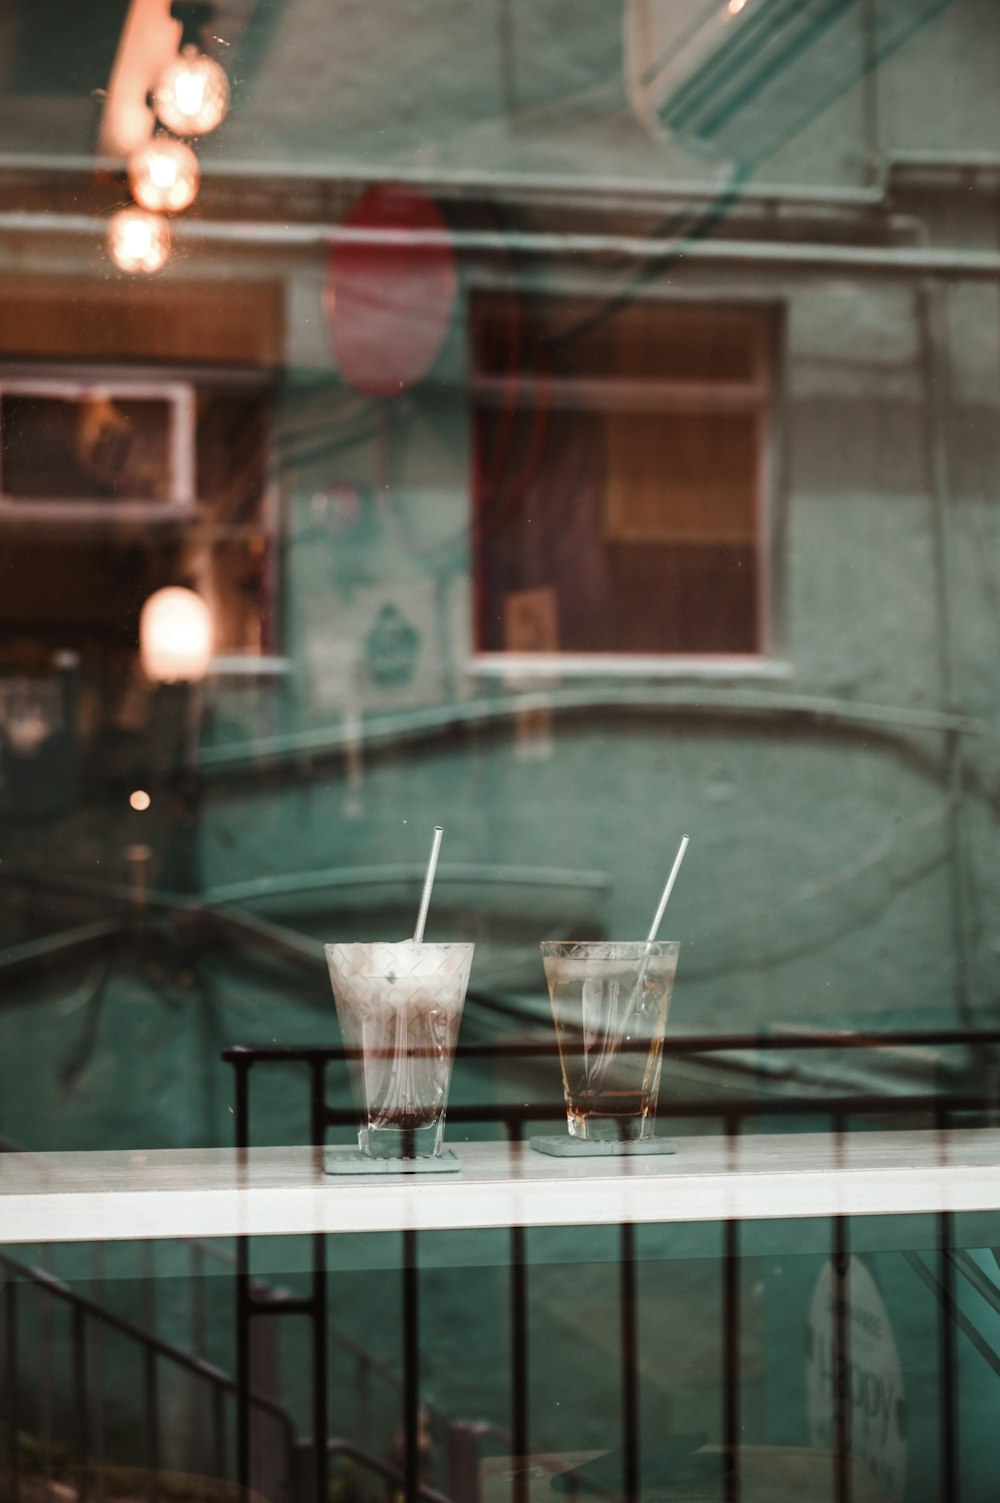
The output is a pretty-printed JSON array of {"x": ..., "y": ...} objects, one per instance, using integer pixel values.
[
  {"x": 135, "y": 433},
  {"x": 618, "y": 484},
  {"x": 112, "y": 487}
]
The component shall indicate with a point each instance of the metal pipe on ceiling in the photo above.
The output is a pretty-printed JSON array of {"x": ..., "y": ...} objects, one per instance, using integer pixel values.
[{"x": 862, "y": 261}]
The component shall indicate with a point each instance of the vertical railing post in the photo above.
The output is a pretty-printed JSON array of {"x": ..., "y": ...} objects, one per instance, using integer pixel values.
[
  {"x": 198, "y": 1443},
  {"x": 45, "y": 1373},
  {"x": 630, "y": 1365},
  {"x": 519, "y": 1341},
  {"x": 151, "y": 1397},
  {"x": 81, "y": 1415},
  {"x": 731, "y": 1335},
  {"x": 319, "y": 1295},
  {"x": 411, "y": 1367},
  {"x": 11, "y": 1385},
  {"x": 97, "y": 1375},
  {"x": 948, "y": 1361},
  {"x": 242, "y": 1067},
  {"x": 841, "y": 1342}
]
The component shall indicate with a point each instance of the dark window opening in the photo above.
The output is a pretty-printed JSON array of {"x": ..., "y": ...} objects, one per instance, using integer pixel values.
[{"x": 618, "y": 478}]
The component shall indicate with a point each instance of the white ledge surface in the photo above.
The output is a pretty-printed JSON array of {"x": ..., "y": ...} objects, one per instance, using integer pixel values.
[{"x": 70, "y": 1197}]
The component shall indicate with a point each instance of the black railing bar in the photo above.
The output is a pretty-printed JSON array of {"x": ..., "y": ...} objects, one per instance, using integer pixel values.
[
  {"x": 950, "y": 1438},
  {"x": 97, "y": 1445},
  {"x": 242, "y": 1109},
  {"x": 382, "y": 1468},
  {"x": 81, "y": 1407},
  {"x": 973, "y": 1274},
  {"x": 196, "y": 1278},
  {"x": 519, "y": 1361},
  {"x": 125, "y": 1327},
  {"x": 411, "y": 1366},
  {"x": 317, "y": 1097},
  {"x": 731, "y": 1335},
  {"x": 242, "y": 1285},
  {"x": 629, "y": 1340},
  {"x": 45, "y": 1381},
  {"x": 735, "y": 1052},
  {"x": 320, "y": 1358},
  {"x": 692, "y": 1043},
  {"x": 378, "y": 876},
  {"x": 840, "y": 1392},
  {"x": 948, "y": 1303},
  {"x": 11, "y": 1387},
  {"x": 817, "y": 1106}
]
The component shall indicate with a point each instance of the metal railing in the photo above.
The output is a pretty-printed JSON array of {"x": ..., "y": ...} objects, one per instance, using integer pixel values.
[
  {"x": 940, "y": 1107},
  {"x": 84, "y": 1313},
  {"x": 91, "y": 1318}
]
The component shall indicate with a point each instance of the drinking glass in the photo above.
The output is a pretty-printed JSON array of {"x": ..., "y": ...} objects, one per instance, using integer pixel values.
[
  {"x": 610, "y": 1002},
  {"x": 400, "y": 1007}
]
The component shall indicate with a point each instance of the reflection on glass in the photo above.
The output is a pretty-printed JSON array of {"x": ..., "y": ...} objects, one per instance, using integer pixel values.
[
  {"x": 138, "y": 241},
  {"x": 191, "y": 97},
  {"x": 610, "y": 1003},
  {"x": 580, "y": 423},
  {"x": 400, "y": 1008},
  {"x": 164, "y": 175}
]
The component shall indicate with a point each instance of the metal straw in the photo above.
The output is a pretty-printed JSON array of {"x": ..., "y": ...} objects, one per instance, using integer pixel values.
[
  {"x": 425, "y": 897},
  {"x": 658, "y": 917}
]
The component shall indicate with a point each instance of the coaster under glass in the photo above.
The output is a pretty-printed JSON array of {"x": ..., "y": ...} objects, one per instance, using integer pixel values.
[
  {"x": 341, "y": 1160},
  {"x": 565, "y": 1147}
]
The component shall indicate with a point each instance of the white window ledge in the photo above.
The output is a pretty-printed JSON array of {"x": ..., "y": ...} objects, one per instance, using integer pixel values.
[
  {"x": 550, "y": 666},
  {"x": 239, "y": 665},
  {"x": 66, "y": 1197}
]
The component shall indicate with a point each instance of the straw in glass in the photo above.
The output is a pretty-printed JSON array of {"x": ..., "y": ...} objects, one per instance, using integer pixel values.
[{"x": 425, "y": 897}]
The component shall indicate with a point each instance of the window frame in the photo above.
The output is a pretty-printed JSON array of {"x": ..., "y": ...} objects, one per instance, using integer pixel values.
[
  {"x": 179, "y": 396},
  {"x": 765, "y": 403},
  {"x": 122, "y": 378}
]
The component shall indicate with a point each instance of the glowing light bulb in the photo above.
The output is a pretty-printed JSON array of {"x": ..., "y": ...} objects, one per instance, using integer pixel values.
[
  {"x": 192, "y": 94},
  {"x": 140, "y": 800},
  {"x": 735, "y": 6},
  {"x": 164, "y": 175},
  {"x": 138, "y": 241},
  {"x": 176, "y": 636}
]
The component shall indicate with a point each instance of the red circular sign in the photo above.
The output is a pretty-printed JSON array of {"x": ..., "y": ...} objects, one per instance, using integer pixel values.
[{"x": 389, "y": 301}]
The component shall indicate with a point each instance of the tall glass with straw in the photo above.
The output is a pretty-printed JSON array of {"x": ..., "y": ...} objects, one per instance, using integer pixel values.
[
  {"x": 610, "y": 1001},
  {"x": 400, "y": 1008}
]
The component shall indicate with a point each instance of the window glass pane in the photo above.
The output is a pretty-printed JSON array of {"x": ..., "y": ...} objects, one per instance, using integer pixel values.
[{"x": 499, "y": 692}]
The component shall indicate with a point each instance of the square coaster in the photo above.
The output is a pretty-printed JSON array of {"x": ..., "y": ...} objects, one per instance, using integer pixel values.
[
  {"x": 353, "y": 1161},
  {"x": 565, "y": 1147}
]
